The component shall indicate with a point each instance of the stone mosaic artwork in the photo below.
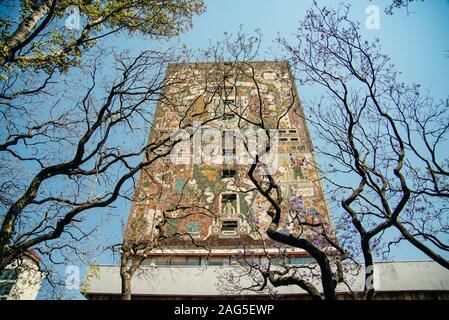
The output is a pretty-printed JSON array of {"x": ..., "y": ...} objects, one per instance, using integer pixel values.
[{"x": 215, "y": 204}]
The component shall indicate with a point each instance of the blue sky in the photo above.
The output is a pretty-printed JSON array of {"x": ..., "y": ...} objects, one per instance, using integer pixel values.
[{"x": 416, "y": 43}]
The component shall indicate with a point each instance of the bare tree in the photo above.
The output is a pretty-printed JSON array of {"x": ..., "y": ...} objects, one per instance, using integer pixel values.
[
  {"x": 322, "y": 246},
  {"x": 398, "y": 4},
  {"x": 65, "y": 119},
  {"x": 56, "y": 33},
  {"x": 373, "y": 130},
  {"x": 149, "y": 224},
  {"x": 67, "y": 152},
  {"x": 384, "y": 134}
]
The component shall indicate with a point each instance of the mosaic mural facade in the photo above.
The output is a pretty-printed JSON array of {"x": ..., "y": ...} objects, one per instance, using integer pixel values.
[{"x": 207, "y": 199}]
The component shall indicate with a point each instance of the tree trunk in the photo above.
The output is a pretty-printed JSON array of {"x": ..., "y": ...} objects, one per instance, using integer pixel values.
[
  {"x": 25, "y": 28},
  {"x": 127, "y": 271},
  {"x": 126, "y": 282}
]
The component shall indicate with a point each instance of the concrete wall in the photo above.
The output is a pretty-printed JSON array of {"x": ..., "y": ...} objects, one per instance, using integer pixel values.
[
  {"x": 29, "y": 280},
  {"x": 414, "y": 279}
]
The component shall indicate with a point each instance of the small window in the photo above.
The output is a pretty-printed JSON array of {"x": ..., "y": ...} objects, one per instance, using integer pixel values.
[
  {"x": 228, "y": 152},
  {"x": 300, "y": 261},
  {"x": 297, "y": 173},
  {"x": 240, "y": 102},
  {"x": 283, "y": 139},
  {"x": 228, "y": 173},
  {"x": 215, "y": 261},
  {"x": 229, "y": 143},
  {"x": 292, "y": 131},
  {"x": 293, "y": 139},
  {"x": 8, "y": 274},
  {"x": 280, "y": 260},
  {"x": 185, "y": 261},
  {"x": 178, "y": 261},
  {"x": 229, "y": 198},
  {"x": 228, "y": 116},
  {"x": 193, "y": 261},
  {"x": 229, "y": 204},
  {"x": 229, "y": 227},
  {"x": 229, "y": 102},
  {"x": 7, "y": 279},
  {"x": 161, "y": 261},
  {"x": 5, "y": 288},
  {"x": 228, "y": 89}
]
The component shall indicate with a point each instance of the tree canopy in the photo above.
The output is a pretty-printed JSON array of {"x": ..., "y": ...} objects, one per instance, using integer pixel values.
[{"x": 35, "y": 35}]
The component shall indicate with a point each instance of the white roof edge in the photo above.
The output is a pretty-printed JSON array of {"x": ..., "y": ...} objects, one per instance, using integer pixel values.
[
  {"x": 225, "y": 251},
  {"x": 205, "y": 281}
]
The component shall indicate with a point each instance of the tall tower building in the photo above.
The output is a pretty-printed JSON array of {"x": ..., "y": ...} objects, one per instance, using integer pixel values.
[
  {"x": 198, "y": 223},
  {"x": 200, "y": 201}
]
